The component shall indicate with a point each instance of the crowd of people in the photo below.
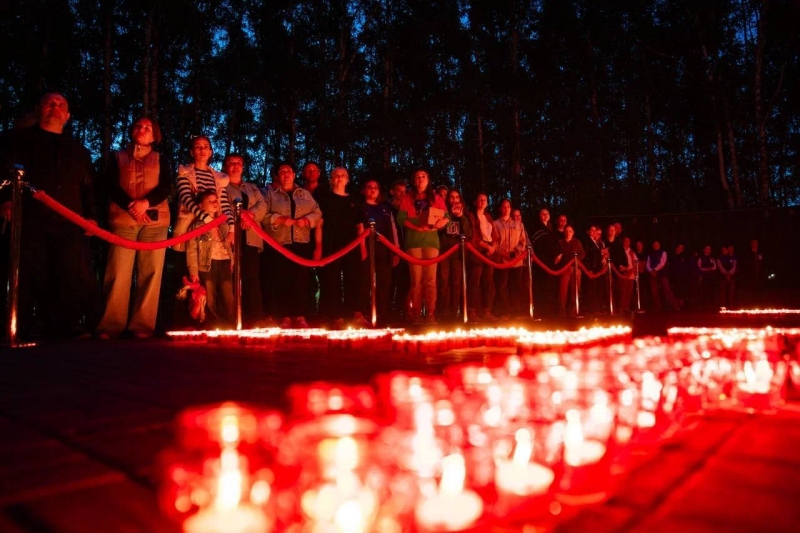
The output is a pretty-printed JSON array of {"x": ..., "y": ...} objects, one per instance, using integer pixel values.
[{"x": 314, "y": 218}]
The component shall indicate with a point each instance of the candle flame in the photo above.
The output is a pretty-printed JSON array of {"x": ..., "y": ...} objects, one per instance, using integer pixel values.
[
  {"x": 346, "y": 454},
  {"x": 453, "y": 474},
  {"x": 229, "y": 484},
  {"x": 524, "y": 449},
  {"x": 230, "y": 429},
  {"x": 573, "y": 437}
]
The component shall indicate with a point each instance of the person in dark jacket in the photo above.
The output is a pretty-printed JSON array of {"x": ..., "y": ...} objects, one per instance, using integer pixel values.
[
  {"x": 545, "y": 248},
  {"x": 450, "y": 271},
  {"x": 56, "y": 277},
  {"x": 570, "y": 281}
]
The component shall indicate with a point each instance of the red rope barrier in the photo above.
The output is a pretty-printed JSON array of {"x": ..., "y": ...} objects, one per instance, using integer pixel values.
[
  {"x": 550, "y": 271},
  {"x": 590, "y": 273},
  {"x": 249, "y": 223},
  {"x": 413, "y": 260},
  {"x": 491, "y": 263},
  {"x": 116, "y": 240}
]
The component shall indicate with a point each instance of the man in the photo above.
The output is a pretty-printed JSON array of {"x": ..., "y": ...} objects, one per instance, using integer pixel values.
[
  {"x": 657, "y": 270},
  {"x": 342, "y": 222},
  {"x": 616, "y": 255},
  {"x": 310, "y": 175},
  {"x": 595, "y": 261},
  {"x": 57, "y": 285}
]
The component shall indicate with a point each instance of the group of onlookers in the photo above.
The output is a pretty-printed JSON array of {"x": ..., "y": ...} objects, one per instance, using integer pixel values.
[{"x": 311, "y": 220}]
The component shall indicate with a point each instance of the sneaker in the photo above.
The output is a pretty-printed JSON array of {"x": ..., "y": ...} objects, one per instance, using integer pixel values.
[
  {"x": 360, "y": 322},
  {"x": 416, "y": 320},
  {"x": 300, "y": 322},
  {"x": 142, "y": 335},
  {"x": 430, "y": 320},
  {"x": 338, "y": 324},
  {"x": 286, "y": 323},
  {"x": 103, "y": 336}
]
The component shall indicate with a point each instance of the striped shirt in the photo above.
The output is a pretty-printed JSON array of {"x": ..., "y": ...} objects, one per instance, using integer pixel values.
[{"x": 205, "y": 181}]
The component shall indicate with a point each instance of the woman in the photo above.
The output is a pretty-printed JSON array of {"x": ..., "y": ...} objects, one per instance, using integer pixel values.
[
  {"x": 253, "y": 202},
  {"x": 545, "y": 248},
  {"x": 379, "y": 211},
  {"x": 422, "y": 242},
  {"x": 193, "y": 178},
  {"x": 481, "y": 276},
  {"x": 291, "y": 215},
  {"x": 707, "y": 266},
  {"x": 569, "y": 248},
  {"x": 209, "y": 258},
  {"x": 138, "y": 211}
]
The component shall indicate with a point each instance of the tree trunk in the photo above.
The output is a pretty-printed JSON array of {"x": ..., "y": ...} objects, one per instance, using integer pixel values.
[
  {"x": 737, "y": 189},
  {"x": 651, "y": 153},
  {"x": 516, "y": 156},
  {"x": 481, "y": 158},
  {"x": 105, "y": 150},
  {"x": 154, "y": 70},
  {"x": 723, "y": 178},
  {"x": 344, "y": 34},
  {"x": 387, "y": 123},
  {"x": 148, "y": 39},
  {"x": 761, "y": 119}
]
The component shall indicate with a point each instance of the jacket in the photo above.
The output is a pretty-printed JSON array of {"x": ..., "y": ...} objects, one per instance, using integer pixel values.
[
  {"x": 511, "y": 238},
  {"x": 188, "y": 209},
  {"x": 255, "y": 204},
  {"x": 279, "y": 205},
  {"x": 137, "y": 179},
  {"x": 198, "y": 250}
]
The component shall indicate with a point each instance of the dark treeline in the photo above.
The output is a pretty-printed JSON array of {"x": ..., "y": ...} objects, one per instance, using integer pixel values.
[{"x": 593, "y": 107}]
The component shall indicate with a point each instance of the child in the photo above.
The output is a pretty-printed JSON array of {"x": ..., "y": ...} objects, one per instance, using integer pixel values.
[{"x": 210, "y": 260}]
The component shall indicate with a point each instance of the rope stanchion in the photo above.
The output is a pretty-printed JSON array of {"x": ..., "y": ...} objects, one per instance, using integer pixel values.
[
  {"x": 462, "y": 246},
  {"x": 491, "y": 263},
  {"x": 94, "y": 229},
  {"x": 413, "y": 260},
  {"x": 238, "y": 243},
  {"x": 18, "y": 172},
  {"x": 249, "y": 223}
]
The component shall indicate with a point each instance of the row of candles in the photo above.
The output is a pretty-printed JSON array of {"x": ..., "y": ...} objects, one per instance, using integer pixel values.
[
  {"x": 397, "y": 340},
  {"x": 515, "y": 441}
]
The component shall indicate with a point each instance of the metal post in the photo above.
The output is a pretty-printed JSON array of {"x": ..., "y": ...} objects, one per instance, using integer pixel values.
[
  {"x": 373, "y": 275},
  {"x": 238, "y": 242},
  {"x": 577, "y": 289},
  {"x": 638, "y": 287},
  {"x": 530, "y": 281},
  {"x": 464, "y": 277},
  {"x": 610, "y": 291},
  {"x": 17, "y": 173}
]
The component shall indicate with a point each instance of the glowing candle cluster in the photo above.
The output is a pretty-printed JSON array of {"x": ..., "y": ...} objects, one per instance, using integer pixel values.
[{"x": 483, "y": 444}]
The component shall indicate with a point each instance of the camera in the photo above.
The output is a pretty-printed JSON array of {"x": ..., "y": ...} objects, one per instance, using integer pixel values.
[{"x": 152, "y": 214}]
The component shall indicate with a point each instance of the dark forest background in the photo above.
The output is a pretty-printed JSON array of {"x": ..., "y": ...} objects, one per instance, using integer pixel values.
[{"x": 593, "y": 107}]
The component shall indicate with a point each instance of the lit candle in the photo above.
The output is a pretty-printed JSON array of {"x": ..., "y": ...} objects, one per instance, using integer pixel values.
[
  {"x": 227, "y": 514},
  {"x": 520, "y": 476},
  {"x": 577, "y": 450},
  {"x": 451, "y": 508}
]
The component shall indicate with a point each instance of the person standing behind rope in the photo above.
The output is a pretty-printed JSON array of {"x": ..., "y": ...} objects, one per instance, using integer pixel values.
[
  {"x": 192, "y": 179},
  {"x": 422, "y": 242},
  {"x": 450, "y": 271},
  {"x": 569, "y": 248},
  {"x": 138, "y": 187},
  {"x": 481, "y": 275},
  {"x": 510, "y": 245},
  {"x": 726, "y": 266},
  {"x": 253, "y": 246},
  {"x": 56, "y": 286},
  {"x": 342, "y": 221},
  {"x": 291, "y": 215},
  {"x": 376, "y": 209}
]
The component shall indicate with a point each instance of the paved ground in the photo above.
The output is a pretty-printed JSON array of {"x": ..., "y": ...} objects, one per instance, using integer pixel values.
[{"x": 81, "y": 424}]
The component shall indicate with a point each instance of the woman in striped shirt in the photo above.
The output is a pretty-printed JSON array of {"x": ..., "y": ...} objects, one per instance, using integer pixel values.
[{"x": 195, "y": 178}]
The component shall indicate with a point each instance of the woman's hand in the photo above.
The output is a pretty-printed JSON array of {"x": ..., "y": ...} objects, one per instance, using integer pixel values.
[
  {"x": 558, "y": 258},
  {"x": 194, "y": 278},
  {"x": 138, "y": 208},
  {"x": 286, "y": 221},
  {"x": 302, "y": 223}
]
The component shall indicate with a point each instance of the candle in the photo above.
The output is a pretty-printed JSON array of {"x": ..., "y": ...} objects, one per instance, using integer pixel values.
[
  {"x": 577, "y": 450},
  {"x": 227, "y": 515},
  {"x": 451, "y": 508},
  {"x": 519, "y": 476}
]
